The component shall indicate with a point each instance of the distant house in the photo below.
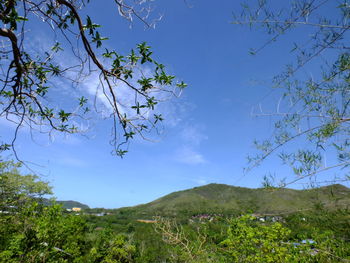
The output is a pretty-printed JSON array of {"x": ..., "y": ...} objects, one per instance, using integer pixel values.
[
  {"x": 76, "y": 209},
  {"x": 204, "y": 217},
  {"x": 268, "y": 218},
  {"x": 100, "y": 214}
]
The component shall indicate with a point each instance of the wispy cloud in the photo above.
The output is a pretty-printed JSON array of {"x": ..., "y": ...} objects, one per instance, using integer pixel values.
[
  {"x": 192, "y": 137},
  {"x": 75, "y": 84},
  {"x": 98, "y": 92},
  {"x": 188, "y": 155},
  {"x": 68, "y": 139}
]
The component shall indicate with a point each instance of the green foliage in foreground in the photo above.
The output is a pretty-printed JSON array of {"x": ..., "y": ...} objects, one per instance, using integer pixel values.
[
  {"x": 47, "y": 234},
  {"x": 250, "y": 241},
  {"x": 256, "y": 242},
  {"x": 33, "y": 233},
  {"x": 246, "y": 239},
  {"x": 42, "y": 234}
]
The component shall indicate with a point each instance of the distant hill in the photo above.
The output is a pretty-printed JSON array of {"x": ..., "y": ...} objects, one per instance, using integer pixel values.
[
  {"x": 226, "y": 199},
  {"x": 70, "y": 204}
]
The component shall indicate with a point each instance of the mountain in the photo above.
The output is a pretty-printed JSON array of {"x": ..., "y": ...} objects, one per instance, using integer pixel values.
[
  {"x": 226, "y": 199},
  {"x": 66, "y": 204},
  {"x": 70, "y": 204}
]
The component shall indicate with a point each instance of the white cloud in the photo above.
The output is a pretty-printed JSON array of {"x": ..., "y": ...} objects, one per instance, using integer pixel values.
[
  {"x": 89, "y": 84},
  {"x": 126, "y": 96},
  {"x": 68, "y": 139},
  {"x": 188, "y": 155},
  {"x": 193, "y": 136}
]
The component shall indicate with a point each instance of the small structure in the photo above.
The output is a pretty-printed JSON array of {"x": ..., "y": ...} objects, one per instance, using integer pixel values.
[
  {"x": 100, "y": 214},
  {"x": 76, "y": 209}
]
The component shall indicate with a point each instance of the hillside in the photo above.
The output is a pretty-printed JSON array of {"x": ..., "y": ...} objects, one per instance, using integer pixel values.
[
  {"x": 67, "y": 204},
  {"x": 226, "y": 199},
  {"x": 70, "y": 204}
]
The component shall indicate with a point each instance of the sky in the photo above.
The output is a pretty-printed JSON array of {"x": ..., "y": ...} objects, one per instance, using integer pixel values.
[{"x": 208, "y": 131}]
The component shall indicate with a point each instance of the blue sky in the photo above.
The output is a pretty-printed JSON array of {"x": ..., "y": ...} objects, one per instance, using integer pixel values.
[{"x": 209, "y": 131}]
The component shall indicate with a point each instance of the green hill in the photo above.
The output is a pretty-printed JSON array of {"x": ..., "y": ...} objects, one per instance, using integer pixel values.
[
  {"x": 70, "y": 204},
  {"x": 66, "y": 204},
  {"x": 226, "y": 199}
]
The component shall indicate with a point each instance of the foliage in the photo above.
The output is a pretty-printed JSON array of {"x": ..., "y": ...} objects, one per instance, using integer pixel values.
[
  {"x": 307, "y": 224},
  {"x": 313, "y": 107},
  {"x": 188, "y": 243},
  {"x": 47, "y": 234},
  {"x": 129, "y": 88},
  {"x": 33, "y": 232},
  {"x": 17, "y": 190},
  {"x": 248, "y": 242},
  {"x": 329, "y": 249},
  {"x": 110, "y": 248},
  {"x": 252, "y": 241},
  {"x": 43, "y": 234},
  {"x": 149, "y": 244}
]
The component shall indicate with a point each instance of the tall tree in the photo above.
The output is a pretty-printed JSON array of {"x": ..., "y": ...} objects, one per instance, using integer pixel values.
[
  {"x": 313, "y": 107},
  {"x": 128, "y": 86},
  {"x": 31, "y": 231},
  {"x": 18, "y": 191}
]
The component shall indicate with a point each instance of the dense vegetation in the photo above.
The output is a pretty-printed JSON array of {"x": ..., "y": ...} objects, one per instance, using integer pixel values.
[{"x": 32, "y": 231}]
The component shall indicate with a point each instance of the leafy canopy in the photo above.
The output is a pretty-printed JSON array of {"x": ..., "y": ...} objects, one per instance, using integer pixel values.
[{"x": 34, "y": 82}]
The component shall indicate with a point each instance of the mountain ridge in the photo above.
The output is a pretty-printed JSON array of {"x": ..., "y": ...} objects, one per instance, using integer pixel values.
[
  {"x": 66, "y": 204},
  {"x": 222, "y": 198}
]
